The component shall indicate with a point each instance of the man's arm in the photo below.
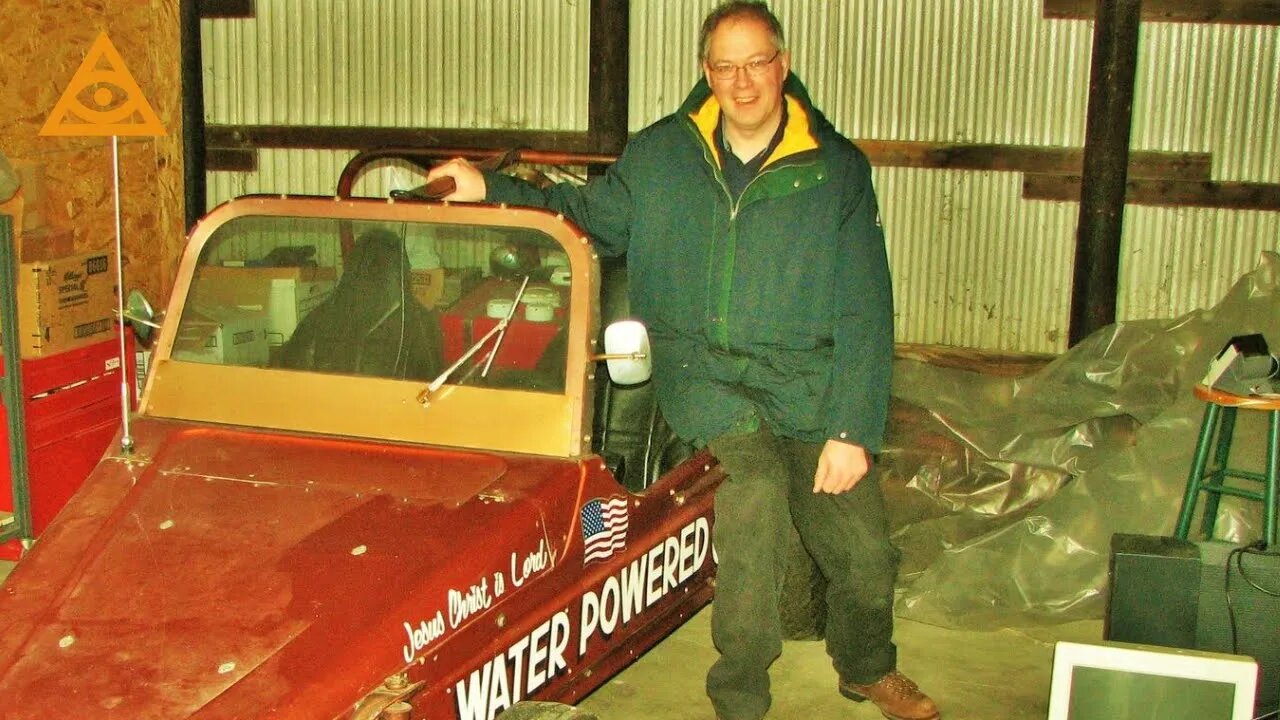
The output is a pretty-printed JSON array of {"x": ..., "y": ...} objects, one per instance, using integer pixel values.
[
  {"x": 469, "y": 184},
  {"x": 841, "y": 466},
  {"x": 856, "y": 407},
  {"x": 602, "y": 207}
]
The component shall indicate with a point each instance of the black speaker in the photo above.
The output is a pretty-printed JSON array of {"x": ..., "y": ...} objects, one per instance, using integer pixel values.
[
  {"x": 1257, "y": 613},
  {"x": 1153, "y": 593}
]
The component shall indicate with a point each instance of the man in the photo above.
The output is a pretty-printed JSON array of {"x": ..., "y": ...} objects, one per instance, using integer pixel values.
[{"x": 757, "y": 261}]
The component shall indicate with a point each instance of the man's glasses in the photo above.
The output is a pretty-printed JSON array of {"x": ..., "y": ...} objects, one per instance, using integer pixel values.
[{"x": 754, "y": 68}]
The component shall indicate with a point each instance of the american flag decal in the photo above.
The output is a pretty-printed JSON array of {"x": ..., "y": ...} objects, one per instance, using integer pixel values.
[{"x": 604, "y": 528}]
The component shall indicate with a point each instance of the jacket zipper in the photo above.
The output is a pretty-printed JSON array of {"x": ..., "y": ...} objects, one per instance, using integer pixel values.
[{"x": 734, "y": 207}]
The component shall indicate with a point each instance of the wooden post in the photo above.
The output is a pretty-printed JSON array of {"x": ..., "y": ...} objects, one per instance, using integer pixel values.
[
  {"x": 609, "y": 62},
  {"x": 1106, "y": 159},
  {"x": 193, "y": 141}
]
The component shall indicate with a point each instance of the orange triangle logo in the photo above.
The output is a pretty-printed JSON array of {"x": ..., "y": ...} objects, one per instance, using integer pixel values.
[{"x": 102, "y": 99}]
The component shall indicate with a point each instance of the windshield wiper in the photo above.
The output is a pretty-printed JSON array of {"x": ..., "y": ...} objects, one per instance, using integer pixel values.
[{"x": 500, "y": 330}]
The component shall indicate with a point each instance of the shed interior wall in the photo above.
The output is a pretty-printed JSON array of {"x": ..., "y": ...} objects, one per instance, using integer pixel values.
[{"x": 975, "y": 263}]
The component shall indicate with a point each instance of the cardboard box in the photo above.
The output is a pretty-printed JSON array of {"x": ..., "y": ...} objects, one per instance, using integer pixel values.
[
  {"x": 46, "y": 243},
  {"x": 284, "y": 294},
  {"x": 31, "y": 181},
  {"x": 427, "y": 286},
  {"x": 457, "y": 282},
  {"x": 442, "y": 287},
  {"x": 33, "y": 243},
  {"x": 65, "y": 303},
  {"x": 222, "y": 336},
  {"x": 249, "y": 273}
]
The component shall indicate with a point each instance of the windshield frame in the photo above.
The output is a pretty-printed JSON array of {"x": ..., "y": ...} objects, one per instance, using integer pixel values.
[{"x": 539, "y": 423}]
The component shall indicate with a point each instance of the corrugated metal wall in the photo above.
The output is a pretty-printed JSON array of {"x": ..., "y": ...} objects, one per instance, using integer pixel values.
[
  {"x": 975, "y": 265},
  {"x": 1208, "y": 88},
  {"x": 389, "y": 63}
]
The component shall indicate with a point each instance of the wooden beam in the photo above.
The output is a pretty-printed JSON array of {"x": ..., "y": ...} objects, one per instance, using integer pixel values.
[
  {"x": 1234, "y": 12},
  {"x": 1166, "y": 193},
  {"x": 210, "y": 9},
  {"x": 1027, "y": 158},
  {"x": 363, "y": 138},
  {"x": 883, "y": 153},
  {"x": 231, "y": 160}
]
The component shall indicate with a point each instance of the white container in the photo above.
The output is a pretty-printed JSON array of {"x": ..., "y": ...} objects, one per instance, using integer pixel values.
[
  {"x": 539, "y": 311},
  {"x": 289, "y": 302},
  {"x": 541, "y": 295},
  {"x": 498, "y": 308}
]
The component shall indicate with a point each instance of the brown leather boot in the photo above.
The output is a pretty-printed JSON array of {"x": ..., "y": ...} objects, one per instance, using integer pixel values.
[{"x": 897, "y": 697}]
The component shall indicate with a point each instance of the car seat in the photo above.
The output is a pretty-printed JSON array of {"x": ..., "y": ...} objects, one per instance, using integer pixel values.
[
  {"x": 628, "y": 429},
  {"x": 372, "y": 324}
]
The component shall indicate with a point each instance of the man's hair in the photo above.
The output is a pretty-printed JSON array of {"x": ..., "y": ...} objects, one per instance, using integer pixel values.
[{"x": 739, "y": 9}]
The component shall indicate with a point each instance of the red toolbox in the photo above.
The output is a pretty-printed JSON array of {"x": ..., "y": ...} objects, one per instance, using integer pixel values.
[
  {"x": 73, "y": 413},
  {"x": 467, "y": 321}
]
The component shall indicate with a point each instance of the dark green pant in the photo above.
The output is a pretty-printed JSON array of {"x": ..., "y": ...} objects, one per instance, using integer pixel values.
[{"x": 769, "y": 486}]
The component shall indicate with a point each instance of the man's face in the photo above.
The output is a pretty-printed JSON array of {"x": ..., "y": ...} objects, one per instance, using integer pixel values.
[{"x": 751, "y": 103}]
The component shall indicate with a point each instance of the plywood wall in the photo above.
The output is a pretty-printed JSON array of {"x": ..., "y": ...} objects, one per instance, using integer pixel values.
[{"x": 41, "y": 45}]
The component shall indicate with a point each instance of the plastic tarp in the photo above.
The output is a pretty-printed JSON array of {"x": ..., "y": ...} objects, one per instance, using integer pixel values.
[{"x": 1006, "y": 491}]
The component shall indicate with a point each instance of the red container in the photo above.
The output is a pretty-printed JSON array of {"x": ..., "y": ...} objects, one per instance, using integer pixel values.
[
  {"x": 526, "y": 340},
  {"x": 72, "y": 413}
]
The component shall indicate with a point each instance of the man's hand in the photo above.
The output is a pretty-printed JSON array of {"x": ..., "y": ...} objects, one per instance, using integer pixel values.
[
  {"x": 469, "y": 181},
  {"x": 840, "y": 467}
]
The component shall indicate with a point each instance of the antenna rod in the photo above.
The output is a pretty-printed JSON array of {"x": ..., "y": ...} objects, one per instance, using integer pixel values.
[{"x": 126, "y": 437}]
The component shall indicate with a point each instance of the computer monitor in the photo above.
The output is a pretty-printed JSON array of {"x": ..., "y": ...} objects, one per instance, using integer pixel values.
[{"x": 1123, "y": 681}]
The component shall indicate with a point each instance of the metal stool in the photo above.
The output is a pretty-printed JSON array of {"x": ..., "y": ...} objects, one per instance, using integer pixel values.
[{"x": 1220, "y": 416}]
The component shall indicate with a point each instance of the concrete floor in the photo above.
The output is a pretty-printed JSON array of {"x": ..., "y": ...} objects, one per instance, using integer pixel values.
[{"x": 1001, "y": 675}]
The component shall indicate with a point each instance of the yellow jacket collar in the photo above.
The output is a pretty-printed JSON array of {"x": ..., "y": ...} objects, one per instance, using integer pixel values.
[{"x": 797, "y": 137}]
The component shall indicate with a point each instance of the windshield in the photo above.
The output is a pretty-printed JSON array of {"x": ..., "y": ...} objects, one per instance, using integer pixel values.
[{"x": 387, "y": 299}]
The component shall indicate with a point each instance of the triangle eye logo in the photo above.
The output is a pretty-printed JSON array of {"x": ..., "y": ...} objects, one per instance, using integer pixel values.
[{"x": 101, "y": 86}]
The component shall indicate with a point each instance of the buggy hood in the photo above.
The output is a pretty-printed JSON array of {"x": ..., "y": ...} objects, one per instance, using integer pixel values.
[{"x": 219, "y": 573}]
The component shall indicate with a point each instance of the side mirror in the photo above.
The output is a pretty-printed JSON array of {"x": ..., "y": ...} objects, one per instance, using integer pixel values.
[
  {"x": 140, "y": 316},
  {"x": 626, "y": 352}
]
